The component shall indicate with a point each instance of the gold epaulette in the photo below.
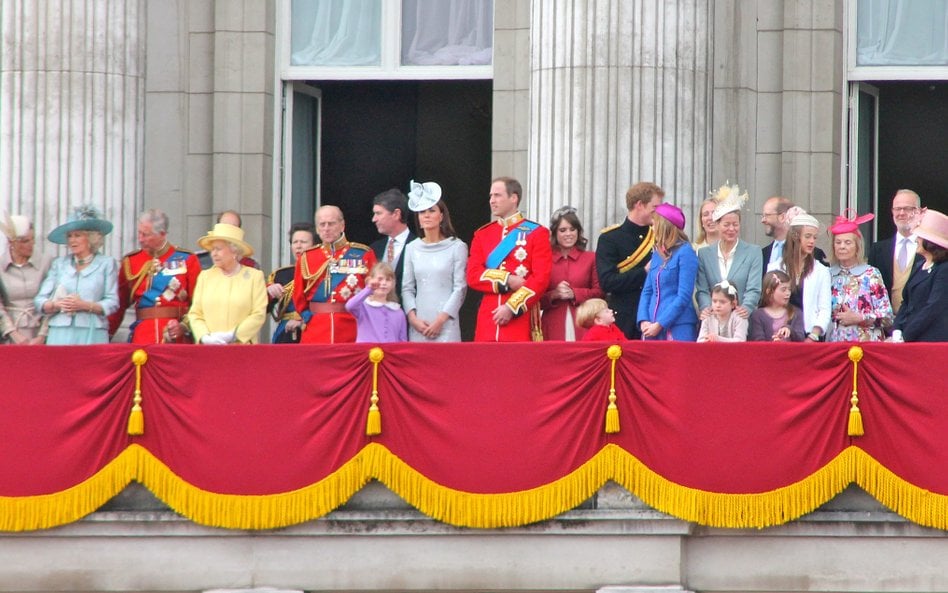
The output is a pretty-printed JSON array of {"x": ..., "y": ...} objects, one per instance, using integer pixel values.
[
  {"x": 610, "y": 228},
  {"x": 359, "y": 246},
  {"x": 485, "y": 226}
]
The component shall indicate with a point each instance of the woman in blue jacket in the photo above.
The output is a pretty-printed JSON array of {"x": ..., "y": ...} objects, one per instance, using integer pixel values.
[{"x": 666, "y": 309}]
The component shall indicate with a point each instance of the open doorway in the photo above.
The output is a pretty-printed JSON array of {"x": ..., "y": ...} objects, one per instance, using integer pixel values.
[
  {"x": 375, "y": 135},
  {"x": 899, "y": 141},
  {"x": 913, "y": 144}
]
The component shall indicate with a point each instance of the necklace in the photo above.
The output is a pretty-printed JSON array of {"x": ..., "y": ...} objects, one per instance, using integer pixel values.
[{"x": 83, "y": 261}]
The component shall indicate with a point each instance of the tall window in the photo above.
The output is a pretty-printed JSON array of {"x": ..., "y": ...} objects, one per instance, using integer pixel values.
[
  {"x": 897, "y": 39},
  {"x": 388, "y": 39}
]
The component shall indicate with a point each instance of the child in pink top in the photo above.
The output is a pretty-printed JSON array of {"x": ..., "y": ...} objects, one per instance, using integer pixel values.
[{"x": 724, "y": 324}]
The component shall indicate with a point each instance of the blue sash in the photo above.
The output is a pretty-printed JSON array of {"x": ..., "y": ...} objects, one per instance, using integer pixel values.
[
  {"x": 503, "y": 249},
  {"x": 159, "y": 282}
]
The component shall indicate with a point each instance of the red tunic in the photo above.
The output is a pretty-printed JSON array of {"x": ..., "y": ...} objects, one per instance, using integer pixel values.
[
  {"x": 328, "y": 276},
  {"x": 159, "y": 287},
  {"x": 579, "y": 269},
  {"x": 604, "y": 333},
  {"x": 531, "y": 259}
]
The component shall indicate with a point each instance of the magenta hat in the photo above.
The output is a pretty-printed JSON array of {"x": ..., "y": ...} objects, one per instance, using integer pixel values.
[
  {"x": 848, "y": 222},
  {"x": 672, "y": 214}
]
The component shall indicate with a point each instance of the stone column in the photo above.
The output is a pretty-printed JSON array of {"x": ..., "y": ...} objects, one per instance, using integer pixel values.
[
  {"x": 619, "y": 94},
  {"x": 71, "y": 104}
]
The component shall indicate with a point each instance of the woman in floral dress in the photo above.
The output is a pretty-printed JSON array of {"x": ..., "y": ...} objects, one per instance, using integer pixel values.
[{"x": 861, "y": 308}]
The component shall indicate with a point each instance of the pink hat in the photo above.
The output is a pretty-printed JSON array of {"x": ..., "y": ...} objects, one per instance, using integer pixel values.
[
  {"x": 672, "y": 214},
  {"x": 934, "y": 227},
  {"x": 848, "y": 222}
]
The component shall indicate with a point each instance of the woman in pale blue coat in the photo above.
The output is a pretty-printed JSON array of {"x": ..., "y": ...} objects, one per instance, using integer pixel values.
[
  {"x": 81, "y": 289},
  {"x": 434, "y": 282},
  {"x": 666, "y": 309}
]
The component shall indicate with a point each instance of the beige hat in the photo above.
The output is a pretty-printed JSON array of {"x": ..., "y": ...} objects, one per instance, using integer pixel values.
[
  {"x": 728, "y": 198},
  {"x": 934, "y": 227},
  {"x": 798, "y": 217},
  {"x": 226, "y": 232}
]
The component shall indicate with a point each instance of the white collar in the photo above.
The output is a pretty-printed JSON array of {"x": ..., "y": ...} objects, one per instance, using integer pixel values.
[
  {"x": 389, "y": 304},
  {"x": 913, "y": 238},
  {"x": 401, "y": 237}
]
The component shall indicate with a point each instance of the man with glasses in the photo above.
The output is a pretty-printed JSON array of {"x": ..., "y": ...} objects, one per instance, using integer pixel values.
[
  {"x": 773, "y": 217},
  {"x": 895, "y": 256}
]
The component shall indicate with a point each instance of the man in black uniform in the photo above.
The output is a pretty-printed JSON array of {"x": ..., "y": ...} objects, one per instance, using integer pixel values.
[{"x": 623, "y": 254}]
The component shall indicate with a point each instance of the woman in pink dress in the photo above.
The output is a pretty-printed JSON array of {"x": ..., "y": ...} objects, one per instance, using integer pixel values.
[{"x": 573, "y": 278}]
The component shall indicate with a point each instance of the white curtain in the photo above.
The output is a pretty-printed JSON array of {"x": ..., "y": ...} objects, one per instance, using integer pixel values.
[
  {"x": 902, "y": 33},
  {"x": 447, "y": 32},
  {"x": 336, "y": 33}
]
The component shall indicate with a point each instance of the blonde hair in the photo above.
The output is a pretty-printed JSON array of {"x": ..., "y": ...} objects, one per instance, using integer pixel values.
[
  {"x": 586, "y": 313},
  {"x": 667, "y": 236},
  {"x": 385, "y": 270}
]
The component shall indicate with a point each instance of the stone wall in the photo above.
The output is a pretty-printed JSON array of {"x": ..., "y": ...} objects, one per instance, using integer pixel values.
[{"x": 377, "y": 543}]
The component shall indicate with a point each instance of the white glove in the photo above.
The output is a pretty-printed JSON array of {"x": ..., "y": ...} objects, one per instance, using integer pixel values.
[{"x": 218, "y": 338}]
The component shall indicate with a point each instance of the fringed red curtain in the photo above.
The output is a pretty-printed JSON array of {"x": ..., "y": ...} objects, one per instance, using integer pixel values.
[{"x": 481, "y": 435}]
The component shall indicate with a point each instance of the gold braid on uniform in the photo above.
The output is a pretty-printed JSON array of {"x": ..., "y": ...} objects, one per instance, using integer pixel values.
[
  {"x": 143, "y": 274},
  {"x": 311, "y": 279},
  {"x": 643, "y": 251}
]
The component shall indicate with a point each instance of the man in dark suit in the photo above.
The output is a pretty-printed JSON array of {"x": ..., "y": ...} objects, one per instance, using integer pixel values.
[
  {"x": 774, "y": 218},
  {"x": 623, "y": 254},
  {"x": 390, "y": 216},
  {"x": 895, "y": 256}
]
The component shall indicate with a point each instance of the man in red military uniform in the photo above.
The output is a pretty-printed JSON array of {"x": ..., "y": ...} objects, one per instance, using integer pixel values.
[
  {"x": 510, "y": 263},
  {"x": 158, "y": 280},
  {"x": 327, "y": 276}
]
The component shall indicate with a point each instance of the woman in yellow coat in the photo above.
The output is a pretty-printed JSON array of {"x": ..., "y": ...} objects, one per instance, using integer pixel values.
[{"x": 230, "y": 300}]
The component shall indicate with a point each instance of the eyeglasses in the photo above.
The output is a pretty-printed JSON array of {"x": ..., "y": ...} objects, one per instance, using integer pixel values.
[
  {"x": 24, "y": 239},
  {"x": 903, "y": 209}
]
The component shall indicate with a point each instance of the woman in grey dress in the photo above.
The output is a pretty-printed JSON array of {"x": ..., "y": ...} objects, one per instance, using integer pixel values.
[{"x": 433, "y": 282}]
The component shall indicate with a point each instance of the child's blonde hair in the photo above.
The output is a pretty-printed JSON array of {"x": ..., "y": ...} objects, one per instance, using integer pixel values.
[
  {"x": 587, "y": 312},
  {"x": 385, "y": 270}
]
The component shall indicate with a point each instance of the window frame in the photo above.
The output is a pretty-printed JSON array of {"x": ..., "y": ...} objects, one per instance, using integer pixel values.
[
  {"x": 870, "y": 73},
  {"x": 390, "y": 67}
]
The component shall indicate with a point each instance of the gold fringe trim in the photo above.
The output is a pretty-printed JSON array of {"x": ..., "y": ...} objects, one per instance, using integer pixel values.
[
  {"x": 918, "y": 505},
  {"x": 42, "y": 511},
  {"x": 468, "y": 509}
]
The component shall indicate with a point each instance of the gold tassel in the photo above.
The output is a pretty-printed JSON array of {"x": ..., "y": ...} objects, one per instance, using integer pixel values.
[
  {"x": 373, "y": 424},
  {"x": 136, "y": 420},
  {"x": 855, "y": 416},
  {"x": 612, "y": 411}
]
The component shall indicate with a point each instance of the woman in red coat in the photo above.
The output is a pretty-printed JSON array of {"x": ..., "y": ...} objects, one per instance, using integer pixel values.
[{"x": 573, "y": 279}]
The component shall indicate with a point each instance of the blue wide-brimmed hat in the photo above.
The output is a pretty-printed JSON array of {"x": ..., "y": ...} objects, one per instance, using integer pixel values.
[{"x": 82, "y": 218}]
